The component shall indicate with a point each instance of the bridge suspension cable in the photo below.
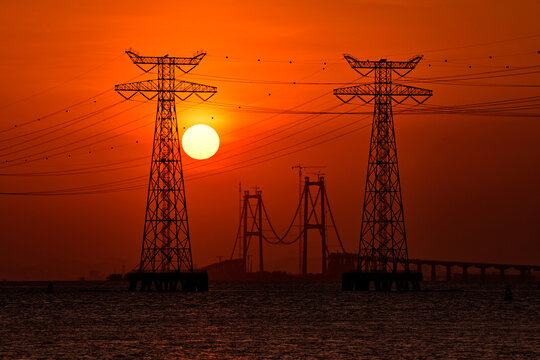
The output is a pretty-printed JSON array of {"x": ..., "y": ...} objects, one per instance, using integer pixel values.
[{"x": 255, "y": 222}]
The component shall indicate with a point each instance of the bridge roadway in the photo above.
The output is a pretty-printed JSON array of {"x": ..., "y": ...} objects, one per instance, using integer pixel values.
[{"x": 525, "y": 270}]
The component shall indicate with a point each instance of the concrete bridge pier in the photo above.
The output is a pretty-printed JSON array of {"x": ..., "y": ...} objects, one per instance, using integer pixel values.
[
  {"x": 501, "y": 271},
  {"x": 465, "y": 272},
  {"x": 483, "y": 273},
  {"x": 524, "y": 272}
]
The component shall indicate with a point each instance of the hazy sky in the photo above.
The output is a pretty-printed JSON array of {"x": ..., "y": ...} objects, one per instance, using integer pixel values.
[{"x": 469, "y": 179}]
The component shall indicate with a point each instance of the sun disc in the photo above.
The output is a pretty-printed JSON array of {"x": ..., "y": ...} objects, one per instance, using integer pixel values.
[{"x": 200, "y": 142}]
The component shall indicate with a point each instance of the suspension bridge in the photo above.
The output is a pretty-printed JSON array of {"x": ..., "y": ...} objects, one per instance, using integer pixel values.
[{"x": 255, "y": 224}]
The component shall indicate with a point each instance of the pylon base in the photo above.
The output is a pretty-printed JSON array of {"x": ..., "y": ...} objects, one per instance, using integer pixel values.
[
  {"x": 168, "y": 281},
  {"x": 362, "y": 281}
]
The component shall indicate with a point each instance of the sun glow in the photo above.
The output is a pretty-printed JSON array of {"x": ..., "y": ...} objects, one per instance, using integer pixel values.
[{"x": 200, "y": 141}]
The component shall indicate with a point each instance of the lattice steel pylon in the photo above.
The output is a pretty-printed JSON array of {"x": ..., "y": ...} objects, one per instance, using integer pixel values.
[
  {"x": 166, "y": 255},
  {"x": 383, "y": 255}
]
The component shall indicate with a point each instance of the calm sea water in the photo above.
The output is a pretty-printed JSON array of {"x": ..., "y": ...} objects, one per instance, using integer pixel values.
[{"x": 268, "y": 321}]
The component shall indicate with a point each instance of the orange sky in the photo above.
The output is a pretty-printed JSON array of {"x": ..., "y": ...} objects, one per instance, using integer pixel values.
[{"x": 469, "y": 182}]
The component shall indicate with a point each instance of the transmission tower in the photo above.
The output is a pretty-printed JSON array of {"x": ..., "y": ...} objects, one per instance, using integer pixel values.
[
  {"x": 382, "y": 256},
  {"x": 166, "y": 248}
]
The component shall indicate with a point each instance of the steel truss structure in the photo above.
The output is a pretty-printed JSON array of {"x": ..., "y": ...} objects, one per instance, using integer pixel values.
[
  {"x": 166, "y": 246},
  {"x": 383, "y": 242}
]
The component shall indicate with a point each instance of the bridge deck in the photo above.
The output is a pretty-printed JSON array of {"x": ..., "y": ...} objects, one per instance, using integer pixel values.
[{"x": 473, "y": 264}]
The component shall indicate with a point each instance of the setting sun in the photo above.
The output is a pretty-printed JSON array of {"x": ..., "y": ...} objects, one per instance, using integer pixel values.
[
  {"x": 200, "y": 141},
  {"x": 220, "y": 179}
]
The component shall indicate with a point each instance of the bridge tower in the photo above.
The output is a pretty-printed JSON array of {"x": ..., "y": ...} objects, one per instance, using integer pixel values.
[
  {"x": 166, "y": 258},
  {"x": 383, "y": 255},
  {"x": 252, "y": 219},
  {"x": 314, "y": 218},
  {"x": 300, "y": 220}
]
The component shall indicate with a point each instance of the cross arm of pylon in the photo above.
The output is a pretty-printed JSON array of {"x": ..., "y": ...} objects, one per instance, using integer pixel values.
[
  {"x": 360, "y": 64},
  {"x": 368, "y": 64},
  {"x": 150, "y": 88},
  {"x": 403, "y": 92},
  {"x": 147, "y": 63},
  {"x": 397, "y": 92}
]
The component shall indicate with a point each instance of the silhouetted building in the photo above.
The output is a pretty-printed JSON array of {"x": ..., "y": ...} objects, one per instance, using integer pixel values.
[
  {"x": 338, "y": 263},
  {"x": 226, "y": 270}
]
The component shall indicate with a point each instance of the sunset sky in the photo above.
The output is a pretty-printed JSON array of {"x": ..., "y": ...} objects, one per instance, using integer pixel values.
[{"x": 469, "y": 158}]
